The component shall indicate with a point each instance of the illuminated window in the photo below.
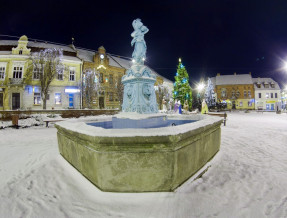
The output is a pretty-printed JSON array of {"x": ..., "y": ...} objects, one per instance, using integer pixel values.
[
  {"x": 37, "y": 98},
  {"x": 223, "y": 92},
  {"x": 111, "y": 96},
  {"x": 1, "y": 99},
  {"x": 72, "y": 74},
  {"x": 60, "y": 75},
  {"x": 111, "y": 79},
  {"x": 101, "y": 78},
  {"x": 58, "y": 99},
  {"x": 17, "y": 72},
  {"x": 2, "y": 72},
  {"x": 267, "y": 95},
  {"x": 36, "y": 73}
]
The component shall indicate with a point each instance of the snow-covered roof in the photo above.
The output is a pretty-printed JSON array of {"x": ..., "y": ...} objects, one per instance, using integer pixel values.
[
  {"x": 35, "y": 44},
  {"x": 238, "y": 79},
  {"x": 85, "y": 55},
  {"x": 263, "y": 81}
]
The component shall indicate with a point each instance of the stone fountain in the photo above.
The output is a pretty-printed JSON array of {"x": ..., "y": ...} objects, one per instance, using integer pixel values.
[{"x": 138, "y": 150}]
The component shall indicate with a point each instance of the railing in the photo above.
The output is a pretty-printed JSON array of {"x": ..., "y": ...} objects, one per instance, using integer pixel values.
[{"x": 16, "y": 81}]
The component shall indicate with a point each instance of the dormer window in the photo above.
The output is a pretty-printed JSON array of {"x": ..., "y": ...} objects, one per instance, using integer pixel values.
[
  {"x": 272, "y": 85},
  {"x": 20, "y": 52},
  {"x": 258, "y": 85},
  {"x": 266, "y": 85}
]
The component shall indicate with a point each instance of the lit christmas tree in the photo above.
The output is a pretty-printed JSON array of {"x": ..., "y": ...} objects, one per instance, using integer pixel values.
[{"x": 182, "y": 90}]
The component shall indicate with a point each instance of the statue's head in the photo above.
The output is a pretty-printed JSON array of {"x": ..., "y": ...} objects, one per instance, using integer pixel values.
[{"x": 137, "y": 23}]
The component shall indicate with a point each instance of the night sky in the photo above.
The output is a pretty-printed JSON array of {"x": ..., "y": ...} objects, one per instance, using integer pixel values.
[{"x": 210, "y": 36}]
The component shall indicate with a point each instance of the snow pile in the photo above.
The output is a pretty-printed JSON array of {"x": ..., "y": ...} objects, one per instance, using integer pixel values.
[{"x": 247, "y": 178}]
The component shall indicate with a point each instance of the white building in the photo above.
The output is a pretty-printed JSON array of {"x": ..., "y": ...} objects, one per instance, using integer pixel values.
[{"x": 267, "y": 94}]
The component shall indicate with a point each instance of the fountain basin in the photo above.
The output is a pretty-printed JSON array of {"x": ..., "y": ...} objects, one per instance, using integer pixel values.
[{"x": 140, "y": 160}]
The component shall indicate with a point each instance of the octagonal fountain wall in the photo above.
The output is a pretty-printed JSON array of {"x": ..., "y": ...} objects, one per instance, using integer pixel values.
[{"x": 140, "y": 160}]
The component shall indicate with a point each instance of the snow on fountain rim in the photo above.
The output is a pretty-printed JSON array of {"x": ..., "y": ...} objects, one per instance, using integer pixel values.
[{"x": 83, "y": 128}]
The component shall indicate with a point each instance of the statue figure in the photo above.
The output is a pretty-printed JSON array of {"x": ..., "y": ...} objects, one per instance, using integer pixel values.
[
  {"x": 204, "y": 107},
  {"x": 175, "y": 106},
  {"x": 185, "y": 106},
  {"x": 164, "y": 104},
  {"x": 139, "y": 53},
  {"x": 179, "y": 107}
]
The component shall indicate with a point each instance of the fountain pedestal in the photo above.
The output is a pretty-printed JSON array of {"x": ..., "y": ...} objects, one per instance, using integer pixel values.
[{"x": 139, "y": 94}]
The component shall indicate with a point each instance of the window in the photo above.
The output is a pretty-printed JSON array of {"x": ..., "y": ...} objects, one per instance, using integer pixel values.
[
  {"x": 36, "y": 73},
  {"x": 223, "y": 93},
  {"x": 249, "y": 103},
  {"x": 60, "y": 75},
  {"x": 111, "y": 79},
  {"x": 233, "y": 94},
  {"x": 241, "y": 104},
  {"x": 58, "y": 99},
  {"x": 271, "y": 95},
  {"x": 266, "y": 85},
  {"x": 272, "y": 85},
  {"x": 276, "y": 96},
  {"x": 72, "y": 74},
  {"x": 37, "y": 98},
  {"x": 258, "y": 85},
  {"x": 111, "y": 96},
  {"x": 237, "y": 93},
  {"x": 249, "y": 94},
  {"x": 259, "y": 95},
  {"x": 20, "y": 52},
  {"x": 1, "y": 99},
  {"x": 101, "y": 77},
  {"x": 245, "y": 94},
  {"x": 17, "y": 72},
  {"x": 267, "y": 95},
  {"x": 2, "y": 72}
]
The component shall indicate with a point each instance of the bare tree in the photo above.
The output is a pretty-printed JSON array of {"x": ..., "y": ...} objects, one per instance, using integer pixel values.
[
  {"x": 162, "y": 92},
  {"x": 120, "y": 91},
  {"x": 90, "y": 87},
  {"x": 45, "y": 66}
]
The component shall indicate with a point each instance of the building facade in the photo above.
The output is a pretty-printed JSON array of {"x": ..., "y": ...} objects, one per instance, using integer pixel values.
[
  {"x": 109, "y": 70},
  {"x": 236, "y": 90},
  {"x": 16, "y": 92},
  {"x": 267, "y": 94},
  {"x": 66, "y": 90}
]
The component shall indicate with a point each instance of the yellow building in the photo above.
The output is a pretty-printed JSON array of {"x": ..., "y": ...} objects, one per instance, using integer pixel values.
[
  {"x": 65, "y": 90},
  {"x": 109, "y": 70},
  {"x": 16, "y": 93},
  {"x": 236, "y": 90}
]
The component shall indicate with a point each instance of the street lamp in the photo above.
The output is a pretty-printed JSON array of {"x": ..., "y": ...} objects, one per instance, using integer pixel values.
[{"x": 200, "y": 87}]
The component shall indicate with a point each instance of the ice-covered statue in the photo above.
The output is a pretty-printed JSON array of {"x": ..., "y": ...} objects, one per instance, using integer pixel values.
[
  {"x": 139, "y": 93},
  {"x": 139, "y": 54}
]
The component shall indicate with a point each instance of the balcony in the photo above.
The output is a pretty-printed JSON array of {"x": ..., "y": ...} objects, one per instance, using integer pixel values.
[{"x": 16, "y": 81}]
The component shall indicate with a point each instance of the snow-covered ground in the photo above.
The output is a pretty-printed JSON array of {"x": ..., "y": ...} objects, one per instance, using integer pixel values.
[{"x": 247, "y": 178}]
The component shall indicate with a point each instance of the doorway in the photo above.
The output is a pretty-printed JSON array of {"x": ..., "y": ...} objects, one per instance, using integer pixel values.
[
  {"x": 102, "y": 102},
  {"x": 233, "y": 105},
  {"x": 71, "y": 100},
  {"x": 15, "y": 101}
]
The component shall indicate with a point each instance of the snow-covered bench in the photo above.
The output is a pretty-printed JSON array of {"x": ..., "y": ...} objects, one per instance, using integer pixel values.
[
  {"x": 224, "y": 115},
  {"x": 50, "y": 121}
]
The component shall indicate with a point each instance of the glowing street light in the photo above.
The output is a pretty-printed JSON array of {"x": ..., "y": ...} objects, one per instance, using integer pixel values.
[{"x": 200, "y": 87}]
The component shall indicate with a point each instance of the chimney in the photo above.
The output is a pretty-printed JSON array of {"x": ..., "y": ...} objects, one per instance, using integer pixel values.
[
  {"x": 234, "y": 73},
  {"x": 218, "y": 74}
]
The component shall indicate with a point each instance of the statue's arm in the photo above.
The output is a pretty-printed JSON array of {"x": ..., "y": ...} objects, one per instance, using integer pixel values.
[{"x": 144, "y": 29}]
